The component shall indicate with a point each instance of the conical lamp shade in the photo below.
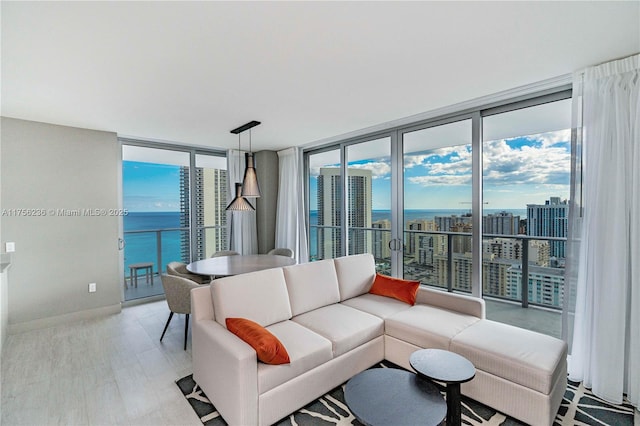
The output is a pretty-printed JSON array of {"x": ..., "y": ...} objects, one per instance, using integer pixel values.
[
  {"x": 250, "y": 187},
  {"x": 240, "y": 203}
]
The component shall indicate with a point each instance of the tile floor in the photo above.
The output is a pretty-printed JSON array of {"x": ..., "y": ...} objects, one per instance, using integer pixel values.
[{"x": 106, "y": 371}]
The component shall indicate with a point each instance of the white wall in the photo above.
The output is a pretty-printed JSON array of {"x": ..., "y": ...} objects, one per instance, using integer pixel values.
[
  {"x": 52, "y": 167},
  {"x": 3, "y": 282}
]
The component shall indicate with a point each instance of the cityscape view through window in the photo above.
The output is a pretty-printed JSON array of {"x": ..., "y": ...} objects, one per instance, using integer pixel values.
[{"x": 526, "y": 159}]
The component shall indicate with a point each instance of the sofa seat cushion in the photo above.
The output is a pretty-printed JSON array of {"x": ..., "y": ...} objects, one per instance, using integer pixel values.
[
  {"x": 379, "y": 306},
  {"x": 426, "y": 326},
  {"x": 531, "y": 359},
  {"x": 306, "y": 350},
  {"x": 346, "y": 327}
]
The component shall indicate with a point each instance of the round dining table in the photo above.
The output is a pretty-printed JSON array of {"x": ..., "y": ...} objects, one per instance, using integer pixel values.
[{"x": 239, "y": 264}]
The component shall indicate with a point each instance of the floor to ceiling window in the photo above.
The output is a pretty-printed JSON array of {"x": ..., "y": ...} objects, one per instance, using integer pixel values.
[
  {"x": 477, "y": 204},
  {"x": 437, "y": 205},
  {"x": 526, "y": 182},
  {"x": 175, "y": 200},
  {"x": 369, "y": 199}
]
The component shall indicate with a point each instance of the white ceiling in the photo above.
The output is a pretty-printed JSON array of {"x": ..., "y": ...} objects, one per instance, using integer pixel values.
[{"x": 189, "y": 72}]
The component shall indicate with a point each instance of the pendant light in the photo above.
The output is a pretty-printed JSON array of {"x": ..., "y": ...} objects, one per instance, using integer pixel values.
[
  {"x": 240, "y": 203},
  {"x": 250, "y": 187}
]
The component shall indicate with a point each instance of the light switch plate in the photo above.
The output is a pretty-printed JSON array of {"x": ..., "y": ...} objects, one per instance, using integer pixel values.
[{"x": 10, "y": 247}]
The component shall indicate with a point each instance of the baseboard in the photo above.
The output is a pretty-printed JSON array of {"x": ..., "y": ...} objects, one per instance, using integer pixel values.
[{"x": 64, "y": 319}]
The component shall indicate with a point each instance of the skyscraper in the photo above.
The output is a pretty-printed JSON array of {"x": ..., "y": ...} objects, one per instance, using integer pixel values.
[
  {"x": 330, "y": 212},
  {"x": 503, "y": 223},
  {"x": 210, "y": 197},
  {"x": 381, "y": 239},
  {"x": 185, "y": 208},
  {"x": 549, "y": 220}
]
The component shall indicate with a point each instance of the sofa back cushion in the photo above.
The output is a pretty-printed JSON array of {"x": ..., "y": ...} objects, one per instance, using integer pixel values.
[
  {"x": 258, "y": 296},
  {"x": 311, "y": 285},
  {"x": 355, "y": 274}
]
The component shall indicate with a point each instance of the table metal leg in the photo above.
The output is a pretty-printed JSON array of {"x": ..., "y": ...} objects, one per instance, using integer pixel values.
[{"x": 454, "y": 409}]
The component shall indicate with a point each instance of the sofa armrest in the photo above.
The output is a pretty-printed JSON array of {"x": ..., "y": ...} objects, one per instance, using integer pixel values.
[
  {"x": 201, "y": 303},
  {"x": 226, "y": 368},
  {"x": 452, "y": 301}
]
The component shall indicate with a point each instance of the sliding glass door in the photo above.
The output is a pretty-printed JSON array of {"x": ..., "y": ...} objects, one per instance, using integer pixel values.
[
  {"x": 475, "y": 203},
  {"x": 369, "y": 200},
  {"x": 437, "y": 218},
  {"x": 156, "y": 227},
  {"x": 526, "y": 186}
]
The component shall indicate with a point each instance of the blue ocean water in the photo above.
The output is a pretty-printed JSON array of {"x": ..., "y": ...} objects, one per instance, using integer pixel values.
[{"x": 142, "y": 246}]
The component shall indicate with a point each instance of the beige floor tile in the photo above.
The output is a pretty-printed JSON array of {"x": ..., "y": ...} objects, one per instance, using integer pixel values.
[{"x": 105, "y": 371}]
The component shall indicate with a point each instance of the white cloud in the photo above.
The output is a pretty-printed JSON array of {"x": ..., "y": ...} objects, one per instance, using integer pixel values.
[
  {"x": 378, "y": 169},
  {"x": 441, "y": 180},
  {"x": 544, "y": 163}
]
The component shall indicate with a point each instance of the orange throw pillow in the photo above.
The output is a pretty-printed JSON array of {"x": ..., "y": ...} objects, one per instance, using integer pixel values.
[
  {"x": 403, "y": 290},
  {"x": 269, "y": 349}
]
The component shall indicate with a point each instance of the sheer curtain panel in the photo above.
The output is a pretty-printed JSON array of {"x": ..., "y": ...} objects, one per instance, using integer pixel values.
[
  {"x": 291, "y": 229},
  {"x": 605, "y": 352},
  {"x": 243, "y": 232}
]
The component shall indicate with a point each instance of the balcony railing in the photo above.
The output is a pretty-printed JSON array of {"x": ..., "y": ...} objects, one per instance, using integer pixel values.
[
  {"x": 442, "y": 259},
  {"x": 158, "y": 246},
  {"x": 164, "y": 245}
]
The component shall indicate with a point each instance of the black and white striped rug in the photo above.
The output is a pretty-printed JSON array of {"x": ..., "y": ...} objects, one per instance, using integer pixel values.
[{"x": 579, "y": 407}]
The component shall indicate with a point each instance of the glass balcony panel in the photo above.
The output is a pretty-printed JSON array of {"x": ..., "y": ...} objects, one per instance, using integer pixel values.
[{"x": 157, "y": 247}]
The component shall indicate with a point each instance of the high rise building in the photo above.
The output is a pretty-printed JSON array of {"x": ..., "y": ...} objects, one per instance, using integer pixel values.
[
  {"x": 210, "y": 198},
  {"x": 381, "y": 239},
  {"x": 503, "y": 223},
  {"x": 211, "y": 217},
  {"x": 185, "y": 208},
  {"x": 330, "y": 212},
  {"x": 445, "y": 223},
  {"x": 549, "y": 220},
  {"x": 412, "y": 237},
  {"x": 546, "y": 285}
]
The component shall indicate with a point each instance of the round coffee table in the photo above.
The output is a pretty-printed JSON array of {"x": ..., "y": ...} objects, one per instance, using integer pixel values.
[
  {"x": 449, "y": 368},
  {"x": 389, "y": 396}
]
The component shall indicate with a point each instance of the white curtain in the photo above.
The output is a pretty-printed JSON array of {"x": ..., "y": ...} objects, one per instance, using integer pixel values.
[
  {"x": 291, "y": 229},
  {"x": 605, "y": 351},
  {"x": 242, "y": 229}
]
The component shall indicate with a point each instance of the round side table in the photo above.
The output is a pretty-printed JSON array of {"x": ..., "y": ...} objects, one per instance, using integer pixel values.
[{"x": 449, "y": 368}]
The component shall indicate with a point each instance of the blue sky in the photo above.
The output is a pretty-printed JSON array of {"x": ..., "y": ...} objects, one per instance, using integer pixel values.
[
  {"x": 516, "y": 172},
  {"x": 149, "y": 187}
]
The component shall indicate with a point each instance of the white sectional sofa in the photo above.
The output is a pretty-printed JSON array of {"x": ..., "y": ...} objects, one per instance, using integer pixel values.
[{"x": 332, "y": 329}]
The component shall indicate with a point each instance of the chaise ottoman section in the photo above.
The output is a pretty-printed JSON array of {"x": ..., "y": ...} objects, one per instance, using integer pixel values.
[
  {"x": 427, "y": 326},
  {"x": 532, "y": 360}
]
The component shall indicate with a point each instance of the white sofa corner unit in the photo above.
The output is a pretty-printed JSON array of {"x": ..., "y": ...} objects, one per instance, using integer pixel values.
[{"x": 333, "y": 329}]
